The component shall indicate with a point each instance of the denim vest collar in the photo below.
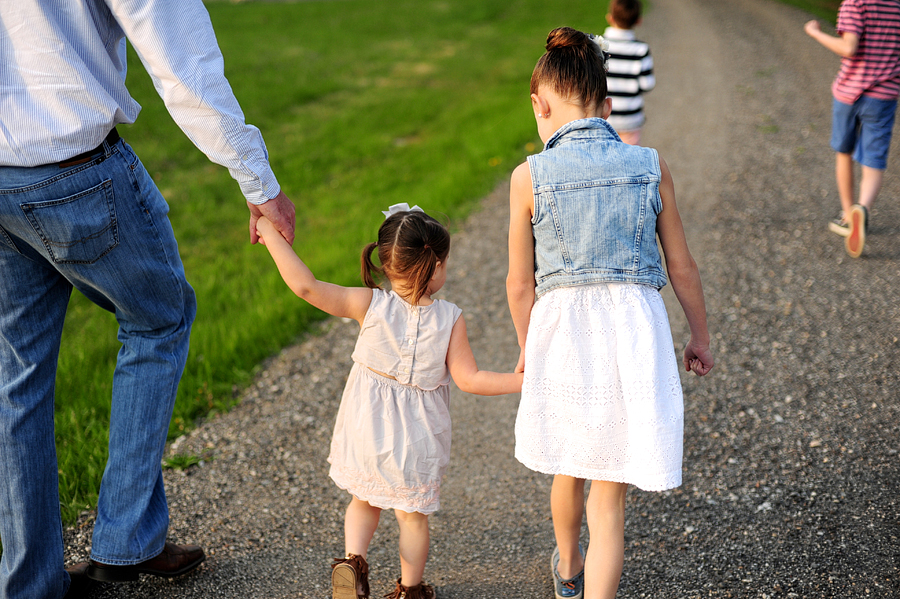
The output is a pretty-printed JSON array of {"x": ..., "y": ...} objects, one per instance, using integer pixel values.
[{"x": 589, "y": 128}]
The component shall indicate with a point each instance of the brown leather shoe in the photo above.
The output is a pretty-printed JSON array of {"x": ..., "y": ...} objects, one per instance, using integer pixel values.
[
  {"x": 420, "y": 591},
  {"x": 80, "y": 583},
  {"x": 350, "y": 578},
  {"x": 174, "y": 560}
]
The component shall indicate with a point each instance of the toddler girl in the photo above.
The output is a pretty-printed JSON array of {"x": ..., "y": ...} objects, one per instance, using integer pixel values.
[
  {"x": 391, "y": 442},
  {"x": 601, "y": 398}
]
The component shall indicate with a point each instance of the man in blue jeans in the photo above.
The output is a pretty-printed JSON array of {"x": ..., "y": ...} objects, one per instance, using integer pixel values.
[{"x": 78, "y": 210}]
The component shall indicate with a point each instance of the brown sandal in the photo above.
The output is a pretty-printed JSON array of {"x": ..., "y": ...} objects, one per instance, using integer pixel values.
[
  {"x": 420, "y": 591},
  {"x": 350, "y": 578}
]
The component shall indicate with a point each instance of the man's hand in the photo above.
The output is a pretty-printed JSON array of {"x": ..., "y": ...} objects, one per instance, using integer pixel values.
[{"x": 279, "y": 210}]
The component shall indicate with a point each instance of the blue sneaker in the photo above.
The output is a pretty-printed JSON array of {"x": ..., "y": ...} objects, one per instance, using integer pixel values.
[{"x": 572, "y": 588}]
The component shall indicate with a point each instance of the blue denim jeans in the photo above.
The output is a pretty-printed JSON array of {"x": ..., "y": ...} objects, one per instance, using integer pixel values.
[{"x": 101, "y": 227}]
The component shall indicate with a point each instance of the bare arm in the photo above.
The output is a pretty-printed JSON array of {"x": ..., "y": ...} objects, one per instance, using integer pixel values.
[
  {"x": 684, "y": 275},
  {"x": 520, "y": 282},
  {"x": 347, "y": 302},
  {"x": 464, "y": 370},
  {"x": 844, "y": 45}
]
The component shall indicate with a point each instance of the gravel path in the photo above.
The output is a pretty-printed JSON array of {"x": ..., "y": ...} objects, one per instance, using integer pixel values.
[{"x": 791, "y": 466}]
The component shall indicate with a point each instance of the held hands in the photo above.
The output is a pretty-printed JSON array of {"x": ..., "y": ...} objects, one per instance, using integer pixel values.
[
  {"x": 698, "y": 358},
  {"x": 264, "y": 229},
  {"x": 279, "y": 211},
  {"x": 520, "y": 365}
]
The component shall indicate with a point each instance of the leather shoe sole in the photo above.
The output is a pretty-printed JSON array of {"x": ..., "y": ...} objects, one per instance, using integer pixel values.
[{"x": 174, "y": 560}]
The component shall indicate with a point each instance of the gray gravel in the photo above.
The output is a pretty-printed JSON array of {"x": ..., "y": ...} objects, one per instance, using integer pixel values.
[{"x": 791, "y": 466}]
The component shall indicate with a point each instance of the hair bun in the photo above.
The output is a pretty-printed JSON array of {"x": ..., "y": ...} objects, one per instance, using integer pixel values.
[{"x": 565, "y": 37}]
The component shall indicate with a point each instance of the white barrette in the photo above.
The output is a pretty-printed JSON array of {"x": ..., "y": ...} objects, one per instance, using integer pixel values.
[
  {"x": 602, "y": 49},
  {"x": 404, "y": 207},
  {"x": 601, "y": 42}
]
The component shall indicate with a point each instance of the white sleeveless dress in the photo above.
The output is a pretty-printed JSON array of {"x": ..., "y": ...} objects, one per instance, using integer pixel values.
[
  {"x": 601, "y": 397},
  {"x": 391, "y": 442}
]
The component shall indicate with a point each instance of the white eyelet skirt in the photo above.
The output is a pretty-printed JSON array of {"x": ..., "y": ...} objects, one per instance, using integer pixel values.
[{"x": 601, "y": 398}]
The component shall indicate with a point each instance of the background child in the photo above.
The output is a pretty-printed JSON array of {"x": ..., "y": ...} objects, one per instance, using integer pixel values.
[
  {"x": 629, "y": 70},
  {"x": 601, "y": 398},
  {"x": 391, "y": 441},
  {"x": 865, "y": 99}
]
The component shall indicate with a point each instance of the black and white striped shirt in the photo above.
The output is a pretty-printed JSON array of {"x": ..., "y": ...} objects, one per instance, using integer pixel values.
[
  {"x": 62, "y": 82},
  {"x": 630, "y": 74}
]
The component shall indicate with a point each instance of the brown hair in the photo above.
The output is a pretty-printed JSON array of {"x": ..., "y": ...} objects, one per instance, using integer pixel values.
[
  {"x": 410, "y": 245},
  {"x": 573, "y": 67},
  {"x": 625, "y": 13}
]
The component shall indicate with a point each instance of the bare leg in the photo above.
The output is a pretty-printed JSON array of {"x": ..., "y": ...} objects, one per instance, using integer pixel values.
[
  {"x": 870, "y": 185},
  {"x": 844, "y": 174},
  {"x": 567, "y": 507},
  {"x": 360, "y": 523},
  {"x": 414, "y": 538},
  {"x": 606, "y": 553}
]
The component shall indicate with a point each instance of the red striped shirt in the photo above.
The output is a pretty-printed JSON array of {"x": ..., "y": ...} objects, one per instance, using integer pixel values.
[{"x": 875, "y": 68}]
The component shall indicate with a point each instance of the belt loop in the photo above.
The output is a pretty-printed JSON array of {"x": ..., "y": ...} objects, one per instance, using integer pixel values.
[{"x": 111, "y": 139}]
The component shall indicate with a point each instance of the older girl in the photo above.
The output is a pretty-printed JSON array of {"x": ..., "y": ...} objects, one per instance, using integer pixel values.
[{"x": 601, "y": 398}]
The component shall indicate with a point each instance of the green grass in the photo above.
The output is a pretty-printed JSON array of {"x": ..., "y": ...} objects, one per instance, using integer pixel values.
[
  {"x": 362, "y": 105},
  {"x": 182, "y": 461},
  {"x": 824, "y": 9}
]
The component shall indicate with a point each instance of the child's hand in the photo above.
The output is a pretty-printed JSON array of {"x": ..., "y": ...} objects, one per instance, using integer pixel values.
[
  {"x": 265, "y": 228},
  {"x": 698, "y": 358},
  {"x": 812, "y": 27}
]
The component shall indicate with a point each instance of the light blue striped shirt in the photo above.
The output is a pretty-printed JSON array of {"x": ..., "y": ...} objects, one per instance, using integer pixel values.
[{"x": 62, "y": 82}]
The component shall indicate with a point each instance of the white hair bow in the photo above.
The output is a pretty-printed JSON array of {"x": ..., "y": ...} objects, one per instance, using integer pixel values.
[
  {"x": 602, "y": 45},
  {"x": 404, "y": 207},
  {"x": 600, "y": 41}
]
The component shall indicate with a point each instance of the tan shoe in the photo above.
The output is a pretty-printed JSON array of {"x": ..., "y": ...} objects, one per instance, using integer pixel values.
[{"x": 350, "y": 578}]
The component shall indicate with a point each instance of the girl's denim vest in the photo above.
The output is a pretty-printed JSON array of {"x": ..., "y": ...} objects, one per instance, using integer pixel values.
[{"x": 595, "y": 206}]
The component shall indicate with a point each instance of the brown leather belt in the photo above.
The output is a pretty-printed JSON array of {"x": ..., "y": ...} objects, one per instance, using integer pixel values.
[{"x": 111, "y": 139}]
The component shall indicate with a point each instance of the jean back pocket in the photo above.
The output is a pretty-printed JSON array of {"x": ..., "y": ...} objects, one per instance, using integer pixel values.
[{"x": 78, "y": 229}]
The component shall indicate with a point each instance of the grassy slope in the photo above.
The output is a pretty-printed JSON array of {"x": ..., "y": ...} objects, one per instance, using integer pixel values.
[{"x": 823, "y": 9}]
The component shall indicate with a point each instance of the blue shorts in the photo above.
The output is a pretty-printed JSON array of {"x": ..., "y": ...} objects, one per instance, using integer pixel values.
[{"x": 863, "y": 128}]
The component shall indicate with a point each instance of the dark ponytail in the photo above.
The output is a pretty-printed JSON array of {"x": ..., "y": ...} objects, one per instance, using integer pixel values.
[
  {"x": 368, "y": 267},
  {"x": 410, "y": 245}
]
